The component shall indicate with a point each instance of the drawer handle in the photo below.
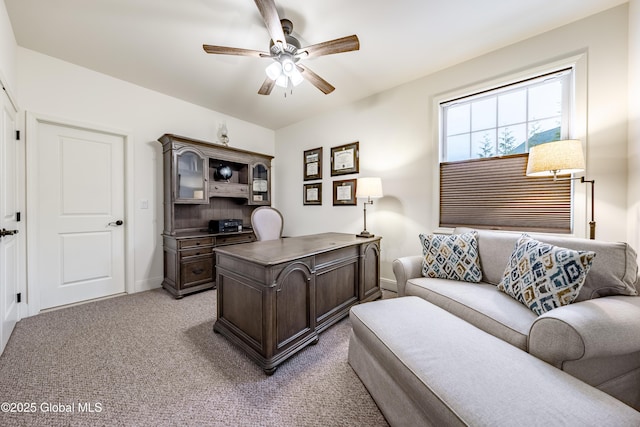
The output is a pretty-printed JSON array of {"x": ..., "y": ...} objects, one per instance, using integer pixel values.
[{"x": 198, "y": 271}]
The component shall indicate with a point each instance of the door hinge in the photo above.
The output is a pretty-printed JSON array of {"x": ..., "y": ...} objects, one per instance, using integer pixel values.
[
  {"x": 18, "y": 135},
  {"x": 19, "y": 297},
  {"x": 17, "y": 216}
]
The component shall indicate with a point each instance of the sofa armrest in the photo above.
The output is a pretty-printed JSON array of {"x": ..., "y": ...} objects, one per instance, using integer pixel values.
[
  {"x": 406, "y": 268},
  {"x": 598, "y": 327}
]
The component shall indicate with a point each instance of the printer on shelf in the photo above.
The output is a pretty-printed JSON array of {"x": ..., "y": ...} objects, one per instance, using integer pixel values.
[{"x": 225, "y": 225}]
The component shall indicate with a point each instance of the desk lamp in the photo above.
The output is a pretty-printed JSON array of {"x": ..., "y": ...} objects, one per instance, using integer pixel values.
[{"x": 369, "y": 188}]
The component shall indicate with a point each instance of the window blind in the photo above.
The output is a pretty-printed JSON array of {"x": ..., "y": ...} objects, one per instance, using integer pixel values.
[{"x": 495, "y": 193}]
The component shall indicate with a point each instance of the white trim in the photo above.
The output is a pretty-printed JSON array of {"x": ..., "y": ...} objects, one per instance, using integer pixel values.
[
  {"x": 33, "y": 120},
  {"x": 12, "y": 99},
  {"x": 578, "y": 61},
  {"x": 388, "y": 284},
  {"x": 148, "y": 284}
]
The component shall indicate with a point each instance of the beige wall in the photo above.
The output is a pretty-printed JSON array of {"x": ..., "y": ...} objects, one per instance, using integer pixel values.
[
  {"x": 51, "y": 87},
  {"x": 7, "y": 50},
  {"x": 397, "y": 131},
  {"x": 634, "y": 124}
]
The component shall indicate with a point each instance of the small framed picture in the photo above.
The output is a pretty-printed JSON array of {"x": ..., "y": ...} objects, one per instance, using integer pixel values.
[
  {"x": 345, "y": 159},
  {"x": 344, "y": 192},
  {"x": 313, "y": 164},
  {"x": 313, "y": 194}
]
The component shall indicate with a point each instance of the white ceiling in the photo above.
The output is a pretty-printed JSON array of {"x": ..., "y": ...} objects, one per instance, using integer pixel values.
[{"x": 157, "y": 44}]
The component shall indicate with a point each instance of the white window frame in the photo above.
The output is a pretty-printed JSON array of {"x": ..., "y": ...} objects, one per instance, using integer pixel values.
[
  {"x": 578, "y": 63},
  {"x": 566, "y": 75}
]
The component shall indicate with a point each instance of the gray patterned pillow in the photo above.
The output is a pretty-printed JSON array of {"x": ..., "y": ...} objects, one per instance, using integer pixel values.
[
  {"x": 542, "y": 276},
  {"x": 451, "y": 256}
]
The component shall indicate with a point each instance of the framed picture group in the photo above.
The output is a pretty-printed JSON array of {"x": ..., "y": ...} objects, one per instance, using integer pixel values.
[{"x": 344, "y": 161}]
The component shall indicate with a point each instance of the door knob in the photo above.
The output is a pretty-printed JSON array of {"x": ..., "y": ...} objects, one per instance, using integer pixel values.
[
  {"x": 5, "y": 232},
  {"x": 116, "y": 223}
]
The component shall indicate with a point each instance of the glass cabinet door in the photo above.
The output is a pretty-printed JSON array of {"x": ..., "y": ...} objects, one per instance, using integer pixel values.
[
  {"x": 191, "y": 178},
  {"x": 260, "y": 194}
]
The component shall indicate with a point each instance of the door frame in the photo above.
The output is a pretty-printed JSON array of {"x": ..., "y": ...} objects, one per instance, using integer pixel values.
[
  {"x": 33, "y": 121},
  {"x": 21, "y": 269}
]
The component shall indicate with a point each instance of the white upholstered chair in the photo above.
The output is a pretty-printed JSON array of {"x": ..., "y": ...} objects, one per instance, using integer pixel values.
[{"x": 267, "y": 223}]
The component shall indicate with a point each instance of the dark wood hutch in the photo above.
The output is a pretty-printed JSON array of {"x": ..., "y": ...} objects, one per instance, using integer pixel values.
[{"x": 204, "y": 181}]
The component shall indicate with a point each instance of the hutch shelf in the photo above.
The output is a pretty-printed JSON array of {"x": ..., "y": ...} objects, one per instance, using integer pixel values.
[{"x": 204, "y": 181}]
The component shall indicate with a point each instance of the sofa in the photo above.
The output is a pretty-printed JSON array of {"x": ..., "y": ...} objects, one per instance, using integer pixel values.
[{"x": 594, "y": 339}]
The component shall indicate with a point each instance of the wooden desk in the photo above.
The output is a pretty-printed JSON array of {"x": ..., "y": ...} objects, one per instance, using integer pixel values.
[{"x": 276, "y": 296}]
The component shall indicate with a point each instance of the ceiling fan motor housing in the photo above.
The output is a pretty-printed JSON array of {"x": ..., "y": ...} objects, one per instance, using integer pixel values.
[{"x": 292, "y": 43}]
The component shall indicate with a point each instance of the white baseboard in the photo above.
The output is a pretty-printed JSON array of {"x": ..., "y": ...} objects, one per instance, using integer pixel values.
[
  {"x": 388, "y": 284},
  {"x": 148, "y": 284}
]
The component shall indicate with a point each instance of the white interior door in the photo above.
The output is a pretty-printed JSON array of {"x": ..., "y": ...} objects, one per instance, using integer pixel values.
[
  {"x": 80, "y": 231},
  {"x": 9, "y": 206}
]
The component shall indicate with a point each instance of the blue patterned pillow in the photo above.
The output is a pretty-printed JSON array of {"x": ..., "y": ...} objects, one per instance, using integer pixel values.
[
  {"x": 543, "y": 276},
  {"x": 451, "y": 256}
]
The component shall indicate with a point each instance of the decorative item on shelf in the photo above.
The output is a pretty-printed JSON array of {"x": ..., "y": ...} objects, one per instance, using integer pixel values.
[
  {"x": 369, "y": 188},
  {"x": 557, "y": 158},
  {"x": 224, "y": 172},
  {"x": 223, "y": 134}
]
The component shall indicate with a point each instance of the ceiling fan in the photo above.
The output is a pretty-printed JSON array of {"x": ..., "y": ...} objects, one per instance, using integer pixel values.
[{"x": 286, "y": 52}]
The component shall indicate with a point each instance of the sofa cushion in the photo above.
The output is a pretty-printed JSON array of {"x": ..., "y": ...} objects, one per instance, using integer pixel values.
[
  {"x": 614, "y": 271},
  {"x": 424, "y": 366},
  {"x": 542, "y": 276},
  {"x": 480, "y": 304},
  {"x": 451, "y": 256}
]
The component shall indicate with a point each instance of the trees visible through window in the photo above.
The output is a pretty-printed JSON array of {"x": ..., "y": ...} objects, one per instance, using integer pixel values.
[{"x": 508, "y": 120}]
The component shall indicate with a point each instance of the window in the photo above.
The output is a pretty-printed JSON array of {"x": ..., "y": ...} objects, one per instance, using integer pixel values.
[{"x": 485, "y": 138}]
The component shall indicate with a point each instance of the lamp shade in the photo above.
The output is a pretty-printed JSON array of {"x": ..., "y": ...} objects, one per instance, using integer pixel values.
[
  {"x": 556, "y": 158},
  {"x": 369, "y": 187}
]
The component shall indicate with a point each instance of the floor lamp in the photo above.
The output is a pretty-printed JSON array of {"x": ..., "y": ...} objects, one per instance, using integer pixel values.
[
  {"x": 561, "y": 158},
  {"x": 369, "y": 188}
]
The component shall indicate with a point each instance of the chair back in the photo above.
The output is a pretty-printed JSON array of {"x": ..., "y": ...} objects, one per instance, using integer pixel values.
[{"x": 267, "y": 223}]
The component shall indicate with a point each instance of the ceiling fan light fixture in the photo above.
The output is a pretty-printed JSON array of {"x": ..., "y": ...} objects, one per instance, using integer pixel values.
[
  {"x": 274, "y": 70},
  {"x": 282, "y": 81},
  {"x": 288, "y": 66},
  {"x": 296, "y": 77}
]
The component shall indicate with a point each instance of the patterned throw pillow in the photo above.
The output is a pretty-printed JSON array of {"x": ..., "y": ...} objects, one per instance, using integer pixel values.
[
  {"x": 543, "y": 276},
  {"x": 451, "y": 256}
]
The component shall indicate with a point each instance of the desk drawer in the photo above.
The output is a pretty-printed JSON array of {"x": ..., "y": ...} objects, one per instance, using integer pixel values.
[
  {"x": 228, "y": 189},
  {"x": 206, "y": 250},
  {"x": 337, "y": 256},
  {"x": 232, "y": 240},
  {"x": 196, "y": 271},
  {"x": 194, "y": 243}
]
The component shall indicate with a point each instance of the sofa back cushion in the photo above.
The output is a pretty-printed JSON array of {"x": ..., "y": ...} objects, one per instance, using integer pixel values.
[{"x": 614, "y": 270}]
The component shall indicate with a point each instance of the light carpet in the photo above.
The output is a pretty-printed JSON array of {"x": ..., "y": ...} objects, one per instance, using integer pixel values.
[{"x": 148, "y": 359}]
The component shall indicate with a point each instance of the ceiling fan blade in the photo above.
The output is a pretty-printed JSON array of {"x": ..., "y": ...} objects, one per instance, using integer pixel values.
[
  {"x": 267, "y": 86},
  {"x": 223, "y": 50},
  {"x": 271, "y": 19},
  {"x": 316, "y": 80},
  {"x": 344, "y": 44}
]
